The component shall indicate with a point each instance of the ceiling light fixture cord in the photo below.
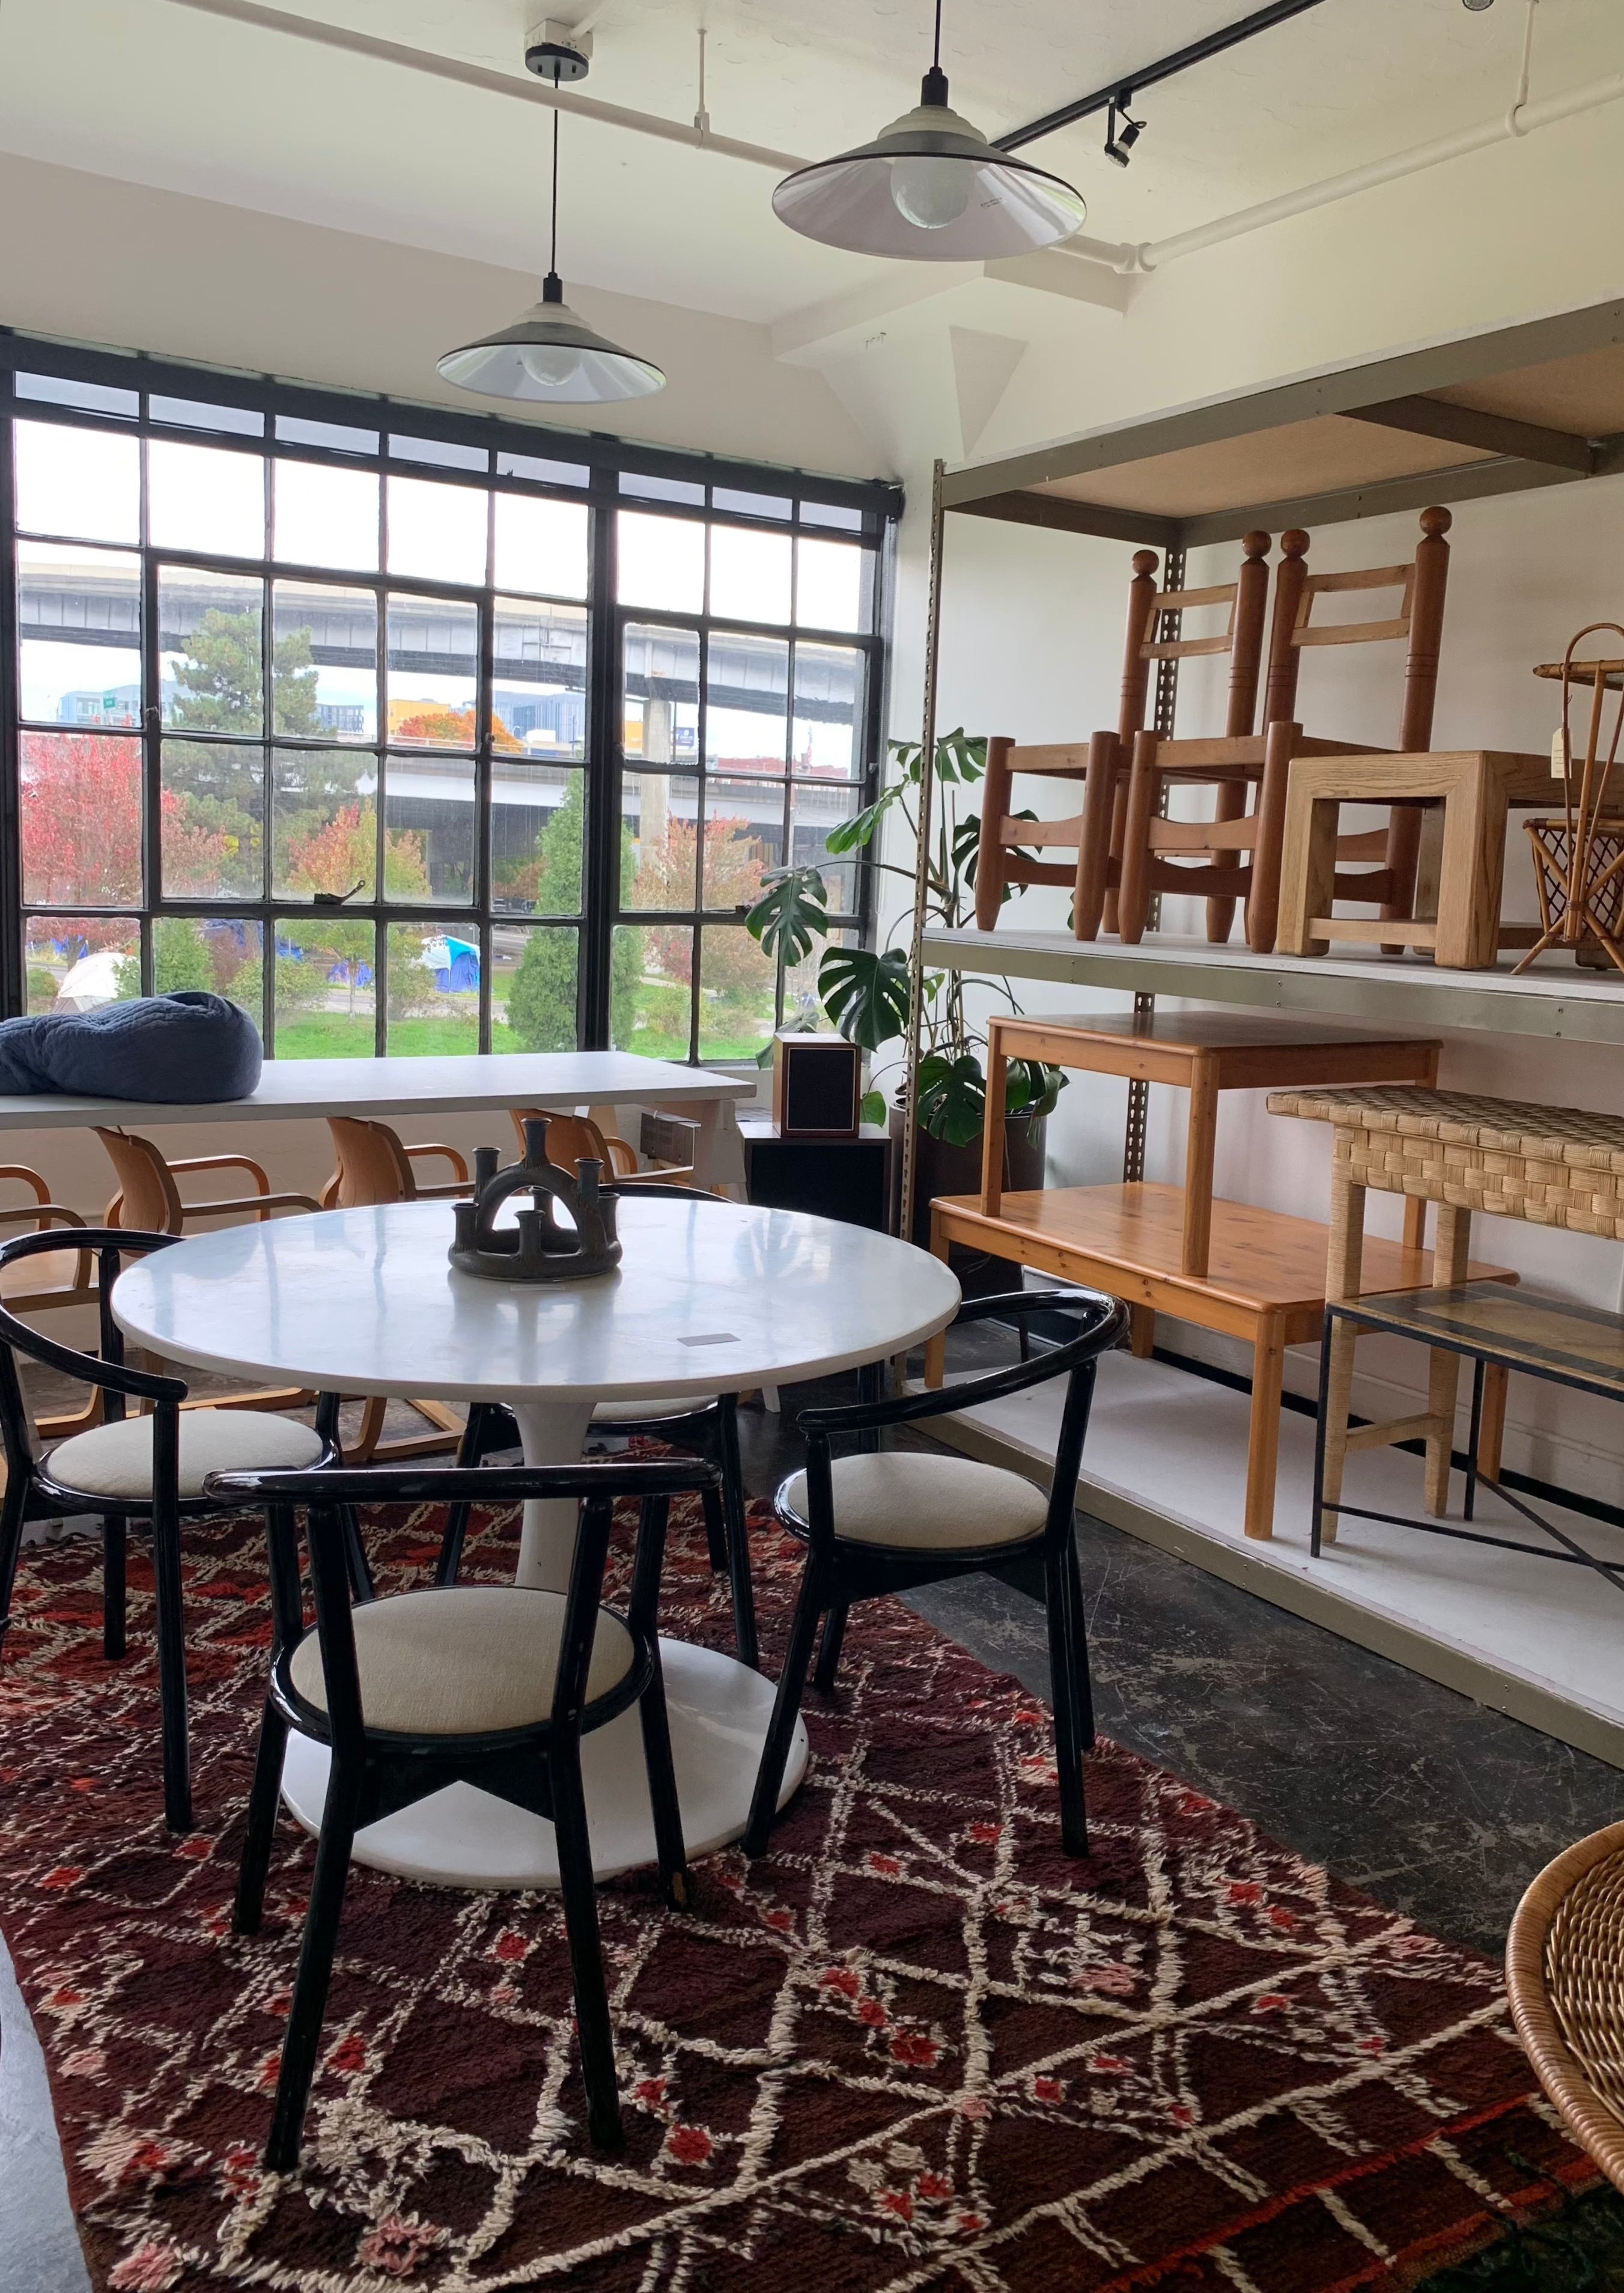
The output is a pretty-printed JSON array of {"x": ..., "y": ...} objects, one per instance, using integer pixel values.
[
  {"x": 552, "y": 252},
  {"x": 936, "y": 50}
]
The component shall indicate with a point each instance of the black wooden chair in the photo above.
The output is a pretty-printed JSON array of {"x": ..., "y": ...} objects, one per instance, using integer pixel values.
[
  {"x": 703, "y": 1427},
  {"x": 149, "y": 1469},
  {"x": 492, "y": 1685},
  {"x": 889, "y": 1520}
]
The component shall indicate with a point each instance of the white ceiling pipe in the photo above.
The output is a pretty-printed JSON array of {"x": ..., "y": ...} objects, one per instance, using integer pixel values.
[
  {"x": 1523, "y": 119},
  {"x": 489, "y": 82}
]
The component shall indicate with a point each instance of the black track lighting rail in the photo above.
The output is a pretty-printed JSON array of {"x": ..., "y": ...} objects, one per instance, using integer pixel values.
[{"x": 1121, "y": 90}]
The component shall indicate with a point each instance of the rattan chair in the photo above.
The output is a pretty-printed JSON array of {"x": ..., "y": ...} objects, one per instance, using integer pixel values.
[
  {"x": 1565, "y": 1971},
  {"x": 889, "y": 1521},
  {"x": 707, "y": 1427},
  {"x": 149, "y": 1469},
  {"x": 485, "y": 1684}
]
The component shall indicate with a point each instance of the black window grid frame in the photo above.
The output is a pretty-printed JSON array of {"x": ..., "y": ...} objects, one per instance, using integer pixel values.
[{"x": 870, "y": 512}]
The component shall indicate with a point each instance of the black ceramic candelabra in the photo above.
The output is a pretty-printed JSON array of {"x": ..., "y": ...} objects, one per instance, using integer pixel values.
[{"x": 536, "y": 1248}]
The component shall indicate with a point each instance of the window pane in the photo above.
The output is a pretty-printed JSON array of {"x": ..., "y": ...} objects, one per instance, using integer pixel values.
[
  {"x": 651, "y": 976},
  {"x": 533, "y": 989},
  {"x": 671, "y": 490},
  {"x": 442, "y": 451},
  {"x": 541, "y": 545},
  {"x": 94, "y": 397},
  {"x": 744, "y": 836},
  {"x": 751, "y": 504},
  {"x": 324, "y": 981},
  {"x": 438, "y": 531},
  {"x": 749, "y": 575},
  {"x": 82, "y": 483},
  {"x": 212, "y": 804},
  {"x": 434, "y": 992},
  {"x": 660, "y": 839},
  {"x": 206, "y": 497},
  {"x": 428, "y": 831},
  {"x": 545, "y": 473},
  {"x": 829, "y": 585},
  {"x": 747, "y": 683},
  {"x": 211, "y": 677},
  {"x": 432, "y": 662},
  {"x": 662, "y": 562},
  {"x": 326, "y": 516},
  {"x": 738, "y": 984},
  {"x": 662, "y": 696},
  {"x": 326, "y": 661},
  {"x": 295, "y": 431},
  {"x": 77, "y": 963},
  {"x": 231, "y": 948},
  {"x": 197, "y": 413},
  {"x": 813, "y": 810},
  {"x": 324, "y": 810},
  {"x": 81, "y": 818},
  {"x": 538, "y": 818},
  {"x": 539, "y": 692},
  {"x": 79, "y": 620},
  {"x": 829, "y": 692}
]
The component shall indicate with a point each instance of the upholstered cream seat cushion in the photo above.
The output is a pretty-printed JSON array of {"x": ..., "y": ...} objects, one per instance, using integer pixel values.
[
  {"x": 941, "y": 1504},
  {"x": 115, "y": 1460},
  {"x": 663, "y": 1405},
  {"x": 464, "y": 1661}
]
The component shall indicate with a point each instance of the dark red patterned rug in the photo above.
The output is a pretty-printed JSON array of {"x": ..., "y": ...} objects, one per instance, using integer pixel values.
[{"x": 913, "y": 2047}]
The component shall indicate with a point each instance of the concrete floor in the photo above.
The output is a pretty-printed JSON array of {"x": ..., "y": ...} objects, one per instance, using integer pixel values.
[{"x": 1433, "y": 1804}]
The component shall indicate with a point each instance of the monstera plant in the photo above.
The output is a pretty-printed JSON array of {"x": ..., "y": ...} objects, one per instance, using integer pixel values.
[{"x": 865, "y": 992}]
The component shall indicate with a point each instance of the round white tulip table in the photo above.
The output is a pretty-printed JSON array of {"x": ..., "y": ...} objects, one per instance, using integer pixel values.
[{"x": 709, "y": 1297}]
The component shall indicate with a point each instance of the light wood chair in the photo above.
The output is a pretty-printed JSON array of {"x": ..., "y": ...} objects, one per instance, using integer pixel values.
[
  {"x": 51, "y": 1278},
  {"x": 573, "y": 1139},
  {"x": 374, "y": 1167},
  {"x": 149, "y": 1198},
  {"x": 1241, "y": 853},
  {"x": 1102, "y": 763}
]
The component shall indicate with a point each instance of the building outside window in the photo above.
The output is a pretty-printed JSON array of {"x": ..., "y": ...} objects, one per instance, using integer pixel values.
[{"x": 477, "y": 739}]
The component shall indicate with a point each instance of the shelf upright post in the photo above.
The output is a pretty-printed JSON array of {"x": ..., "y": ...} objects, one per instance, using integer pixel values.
[
  {"x": 1167, "y": 702},
  {"x": 927, "y": 785}
]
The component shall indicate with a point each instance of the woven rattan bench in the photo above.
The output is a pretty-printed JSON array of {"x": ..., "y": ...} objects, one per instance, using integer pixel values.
[
  {"x": 1548, "y": 1165},
  {"x": 1565, "y": 1971}
]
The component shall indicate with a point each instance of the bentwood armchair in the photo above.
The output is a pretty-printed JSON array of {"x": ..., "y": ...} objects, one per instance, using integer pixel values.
[
  {"x": 492, "y": 1685},
  {"x": 147, "y": 1469},
  {"x": 886, "y": 1521}
]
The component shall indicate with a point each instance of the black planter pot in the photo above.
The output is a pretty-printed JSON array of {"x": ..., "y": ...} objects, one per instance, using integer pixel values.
[{"x": 944, "y": 1170}]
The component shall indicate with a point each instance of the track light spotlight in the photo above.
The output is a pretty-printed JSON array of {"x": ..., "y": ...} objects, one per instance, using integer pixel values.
[{"x": 1120, "y": 140}]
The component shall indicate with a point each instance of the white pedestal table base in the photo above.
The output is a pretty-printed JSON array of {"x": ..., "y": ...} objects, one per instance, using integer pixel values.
[{"x": 462, "y": 1837}]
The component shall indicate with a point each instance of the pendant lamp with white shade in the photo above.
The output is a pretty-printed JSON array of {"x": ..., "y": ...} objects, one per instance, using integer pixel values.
[
  {"x": 929, "y": 189},
  {"x": 549, "y": 354}
]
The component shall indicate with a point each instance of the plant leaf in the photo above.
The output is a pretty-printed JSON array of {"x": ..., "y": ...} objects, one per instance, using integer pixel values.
[
  {"x": 952, "y": 1096},
  {"x": 865, "y": 992},
  {"x": 872, "y": 1107},
  {"x": 852, "y": 835},
  {"x": 1032, "y": 1089},
  {"x": 792, "y": 912}
]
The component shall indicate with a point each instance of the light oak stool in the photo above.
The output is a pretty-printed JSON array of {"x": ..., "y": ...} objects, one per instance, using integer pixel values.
[
  {"x": 1557, "y": 1166},
  {"x": 1467, "y": 793}
]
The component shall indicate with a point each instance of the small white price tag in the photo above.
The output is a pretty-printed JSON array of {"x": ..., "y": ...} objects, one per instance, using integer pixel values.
[{"x": 1559, "y": 753}]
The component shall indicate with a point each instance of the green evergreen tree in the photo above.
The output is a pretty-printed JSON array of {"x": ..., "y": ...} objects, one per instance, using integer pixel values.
[
  {"x": 541, "y": 1001},
  {"x": 180, "y": 959}
]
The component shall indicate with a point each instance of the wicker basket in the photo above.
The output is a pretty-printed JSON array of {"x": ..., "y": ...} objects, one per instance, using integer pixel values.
[{"x": 1564, "y": 1973}]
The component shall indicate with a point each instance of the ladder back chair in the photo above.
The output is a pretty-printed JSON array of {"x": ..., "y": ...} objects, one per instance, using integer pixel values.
[
  {"x": 492, "y": 1685},
  {"x": 888, "y": 1521},
  {"x": 706, "y": 1425},
  {"x": 1102, "y": 764},
  {"x": 373, "y": 1167},
  {"x": 148, "y": 1469},
  {"x": 1243, "y": 851}
]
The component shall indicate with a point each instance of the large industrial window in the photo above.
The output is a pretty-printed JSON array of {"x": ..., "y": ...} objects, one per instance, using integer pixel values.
[{"x": 416, "y": 732}]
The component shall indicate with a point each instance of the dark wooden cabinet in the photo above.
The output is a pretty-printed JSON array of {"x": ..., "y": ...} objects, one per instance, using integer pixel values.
[{"x": 845, "y": 1178}]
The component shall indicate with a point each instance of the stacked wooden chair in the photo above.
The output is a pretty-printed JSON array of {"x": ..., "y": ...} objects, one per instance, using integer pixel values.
[{"x": 1239, "y": 854}]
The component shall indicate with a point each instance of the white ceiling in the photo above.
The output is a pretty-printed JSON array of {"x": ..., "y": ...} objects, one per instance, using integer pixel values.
[{"x": 156, "y": 92}]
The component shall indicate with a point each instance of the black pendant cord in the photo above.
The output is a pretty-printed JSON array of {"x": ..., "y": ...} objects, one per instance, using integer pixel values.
[
  {"x": 936, "y": 49},
  {"x": 552, "y": 252}
]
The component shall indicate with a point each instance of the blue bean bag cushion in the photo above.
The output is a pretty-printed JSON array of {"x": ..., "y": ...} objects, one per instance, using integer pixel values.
[{"x": 184, "y": 1049}]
